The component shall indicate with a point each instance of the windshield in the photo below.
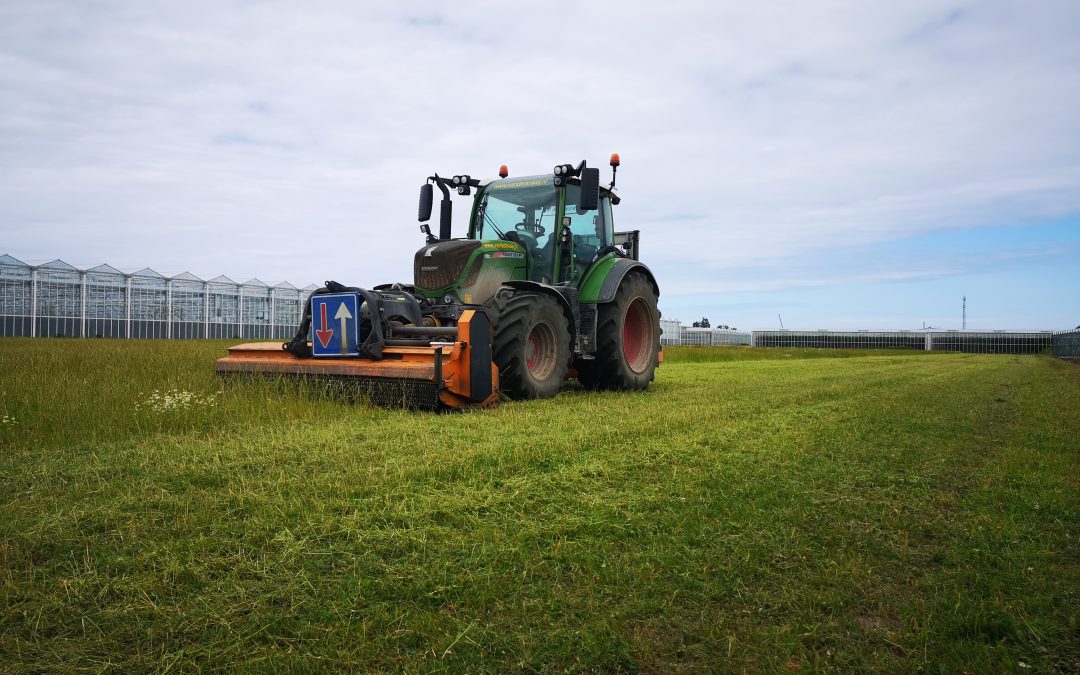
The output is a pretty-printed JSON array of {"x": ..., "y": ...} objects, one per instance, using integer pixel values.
[{"x": 525, "y": 206}]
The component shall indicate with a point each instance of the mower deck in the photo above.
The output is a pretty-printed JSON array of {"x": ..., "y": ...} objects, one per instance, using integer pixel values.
[{"x": 430, "y": 375}]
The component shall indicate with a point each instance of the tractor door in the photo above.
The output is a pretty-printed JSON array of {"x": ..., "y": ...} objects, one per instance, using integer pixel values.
[{"x": 590, "y": 231}]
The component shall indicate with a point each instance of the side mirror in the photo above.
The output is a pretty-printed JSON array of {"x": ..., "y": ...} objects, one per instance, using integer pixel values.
[
  {"x": 427, "y": 195},
  {"x": 590, "y": 190}
]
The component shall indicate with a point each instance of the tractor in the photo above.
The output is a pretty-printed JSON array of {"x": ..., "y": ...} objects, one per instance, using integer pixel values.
[{"x": 540, "y": 289}]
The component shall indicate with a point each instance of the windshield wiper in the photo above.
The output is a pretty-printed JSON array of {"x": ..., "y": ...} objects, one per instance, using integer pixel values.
[{"x": 491, "y": 222}]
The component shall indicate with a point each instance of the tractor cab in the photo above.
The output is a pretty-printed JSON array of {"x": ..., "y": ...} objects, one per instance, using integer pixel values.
[
  {"x": 558, "y": 234},
  {"x": 548, "y": 229}
]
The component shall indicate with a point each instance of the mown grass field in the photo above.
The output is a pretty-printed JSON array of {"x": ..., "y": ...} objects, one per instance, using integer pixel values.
[{"x": 755, "y": 510}]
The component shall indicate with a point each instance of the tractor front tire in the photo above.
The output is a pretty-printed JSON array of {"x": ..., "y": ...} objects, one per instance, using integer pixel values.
[
  {"x": 627, "y": 339},
  {"x": 531, "y": 344}
]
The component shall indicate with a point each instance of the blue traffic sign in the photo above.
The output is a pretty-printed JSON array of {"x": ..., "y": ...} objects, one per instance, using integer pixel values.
[{"x": 335, "y": 324}]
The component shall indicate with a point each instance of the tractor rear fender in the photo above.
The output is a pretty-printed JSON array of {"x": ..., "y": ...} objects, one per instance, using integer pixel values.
[
  {"x": 603, "y": 278},
  {"x": 569, "y": 305}
]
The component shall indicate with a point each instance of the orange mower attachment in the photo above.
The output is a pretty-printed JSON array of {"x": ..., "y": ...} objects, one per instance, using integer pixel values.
[{"x": 421, "y": 368}]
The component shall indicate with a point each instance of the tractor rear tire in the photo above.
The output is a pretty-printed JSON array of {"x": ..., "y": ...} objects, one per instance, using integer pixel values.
[
  {"x": 627, "y": 339},
  {"x": 531, "y": 344}
]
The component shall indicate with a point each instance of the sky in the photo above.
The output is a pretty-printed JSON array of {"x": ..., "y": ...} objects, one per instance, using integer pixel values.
[{"x": 825, "y": 165}]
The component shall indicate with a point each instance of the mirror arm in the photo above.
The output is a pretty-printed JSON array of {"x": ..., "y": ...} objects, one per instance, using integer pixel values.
[
  {"x": 441, "y": 182},
  {"x": 445, "y": 207}
]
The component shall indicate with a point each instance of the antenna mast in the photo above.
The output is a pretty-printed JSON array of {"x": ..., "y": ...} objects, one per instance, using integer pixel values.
[{"x": 963, "y": 325}]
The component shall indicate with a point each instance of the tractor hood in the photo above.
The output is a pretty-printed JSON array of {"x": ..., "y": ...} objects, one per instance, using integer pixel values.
[{"x": 439, "y": 265}]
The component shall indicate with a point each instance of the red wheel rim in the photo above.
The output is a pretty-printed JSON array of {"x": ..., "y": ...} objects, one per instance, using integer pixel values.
[
  {"x": 637, "y": 336},
  {"x": 541, "y": 351}
]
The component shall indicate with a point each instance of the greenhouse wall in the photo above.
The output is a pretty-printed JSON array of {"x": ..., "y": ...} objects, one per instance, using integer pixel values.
[
  {"x": 1067, "y": 344},
  {"x": 712, "y": 337},
  {"x": 669, "y": 332},
  {"x": 970, "y": 342},
  {"x": 993, "y": 342},
  {"x": 672, "y": 333},
  {"x": 825, "y": 339},
  {"x": 60, "y": 300}
]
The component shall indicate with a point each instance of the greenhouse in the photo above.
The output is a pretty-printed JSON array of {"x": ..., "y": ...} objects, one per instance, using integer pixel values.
[
  {"x": 56, "y": 299},
  {"x": 1065, "y": 344},
  {"x": 970, "y": 342},
  {"x": 712, "y": 337},
  {"x": 862, "y": 339}
]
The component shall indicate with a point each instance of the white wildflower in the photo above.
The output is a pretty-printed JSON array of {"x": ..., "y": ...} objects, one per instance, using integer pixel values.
[{"x": 173, "y": 400}]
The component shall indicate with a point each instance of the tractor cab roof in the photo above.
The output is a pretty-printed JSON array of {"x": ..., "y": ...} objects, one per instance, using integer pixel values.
[{"x": 538, "y": 180}]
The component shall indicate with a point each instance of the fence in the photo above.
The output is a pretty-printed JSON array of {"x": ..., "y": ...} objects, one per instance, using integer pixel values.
[{"x": 58, "y": 299}]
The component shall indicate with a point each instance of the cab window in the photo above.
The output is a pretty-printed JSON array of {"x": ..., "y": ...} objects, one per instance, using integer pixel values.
[
  {"x": 590, "y": 227},
  {"x": 591, "y": 230},
  {"x": 521, "y": 210}
]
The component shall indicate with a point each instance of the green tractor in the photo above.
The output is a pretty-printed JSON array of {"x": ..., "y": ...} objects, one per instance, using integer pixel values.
[
  {"x": 565, "y": 293},
  {"x": 542, "y": 289}
]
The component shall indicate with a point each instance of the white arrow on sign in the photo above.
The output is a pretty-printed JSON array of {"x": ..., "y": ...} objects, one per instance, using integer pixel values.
[{"x": 342, "y": 314}]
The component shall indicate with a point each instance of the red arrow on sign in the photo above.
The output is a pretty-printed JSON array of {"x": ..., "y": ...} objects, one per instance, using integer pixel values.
[{"x": 326, "y": 333}]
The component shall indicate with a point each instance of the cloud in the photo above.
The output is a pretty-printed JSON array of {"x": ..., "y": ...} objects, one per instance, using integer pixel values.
[{"x": 287, "y": 141}]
